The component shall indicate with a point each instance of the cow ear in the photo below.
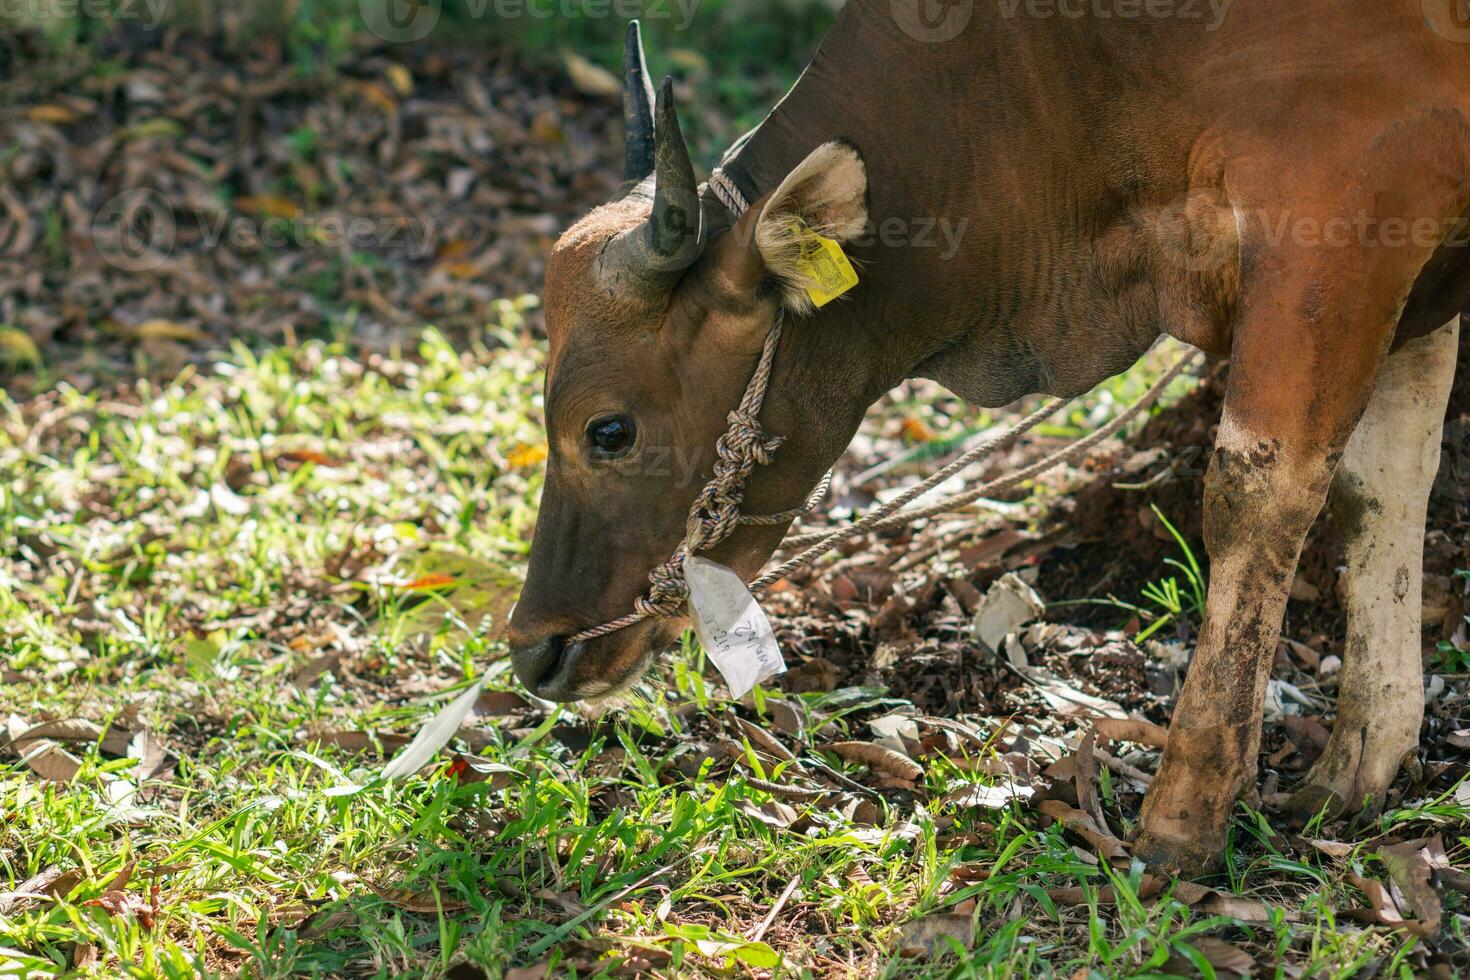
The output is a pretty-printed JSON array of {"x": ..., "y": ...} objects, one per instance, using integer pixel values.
[{"x": 828, "y": 191}]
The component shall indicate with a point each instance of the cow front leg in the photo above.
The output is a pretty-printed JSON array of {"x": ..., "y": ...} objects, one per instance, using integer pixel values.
[
  {"x": 1312, "y": 328},
  {"x": 1378, "y": 501},
  {"x": 1261, "y": 496}
]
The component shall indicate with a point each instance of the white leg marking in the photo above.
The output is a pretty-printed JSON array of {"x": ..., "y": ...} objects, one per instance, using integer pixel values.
[{"x": 1379, "y": 500}]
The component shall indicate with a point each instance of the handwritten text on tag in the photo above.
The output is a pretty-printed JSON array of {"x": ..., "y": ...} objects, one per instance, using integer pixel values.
[{"x": 731, "y": 626}]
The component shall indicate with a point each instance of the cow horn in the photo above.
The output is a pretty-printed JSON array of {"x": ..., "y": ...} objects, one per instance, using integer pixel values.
[
  {"x": 637, "y": 109},
  {"x": 653, "y": 254}
]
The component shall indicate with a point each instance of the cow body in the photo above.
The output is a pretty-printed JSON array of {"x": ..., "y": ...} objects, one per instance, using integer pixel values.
[{"x": 1043, "y": 197}]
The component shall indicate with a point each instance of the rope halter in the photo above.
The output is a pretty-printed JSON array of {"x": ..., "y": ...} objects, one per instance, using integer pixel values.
[{"x": 715, "y": 513}]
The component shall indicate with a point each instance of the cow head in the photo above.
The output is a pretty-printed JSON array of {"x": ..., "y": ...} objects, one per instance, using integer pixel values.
[{"x": 654, "y": 332}]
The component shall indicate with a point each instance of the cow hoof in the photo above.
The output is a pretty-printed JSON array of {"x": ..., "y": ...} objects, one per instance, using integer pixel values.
[{"x": 1187, "y": 857}]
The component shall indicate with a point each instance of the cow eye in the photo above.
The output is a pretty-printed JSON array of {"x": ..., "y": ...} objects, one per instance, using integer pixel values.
[{"x": 611, "y": 436}]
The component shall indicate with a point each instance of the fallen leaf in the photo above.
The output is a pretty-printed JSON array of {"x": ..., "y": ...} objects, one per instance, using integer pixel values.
[
  {"x": 161, "y": 329},
  {"x": 1410, "y": 870},
  {"x": 1331, "y": 848},
  {"x": 1225, "y": 958},
  {"x": 45, "y": 758},
  {"x": 269, "y": 205},
  {"x": 877, "y": 757},
  {"x": 526, "y": 455},
  {"x": 358, "y": 741},
  {"x": 55, "y": 115},
  {"x": 1081, "y": 824},
  {"x": 438, "y": 580},
  {"x": 50, "y": 883},
  {"x": 764, "y": 740},
  {"x": 934, "y": 935},
  {"x": 17, "y": 349},
  {"x": 411, "y": 901},
  {"x": 400, "y": 78},
  {"x": 774, "y": 814},
  {"x": 1085, "y": 780},
  {"x": 1066, "y": 699},
  {"x": 590, "y": 78},
  {"x": 493, "y": 703},
  {"x": 1131, "y": 730},
  {"x": 152, "y": 756}
]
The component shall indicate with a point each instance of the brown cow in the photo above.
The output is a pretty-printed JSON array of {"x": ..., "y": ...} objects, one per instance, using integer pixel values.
[{"x": 1283, "y": 184}]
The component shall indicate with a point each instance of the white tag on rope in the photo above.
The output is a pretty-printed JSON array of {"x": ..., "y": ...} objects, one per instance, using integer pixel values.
[{"x": 731, "y": 625}]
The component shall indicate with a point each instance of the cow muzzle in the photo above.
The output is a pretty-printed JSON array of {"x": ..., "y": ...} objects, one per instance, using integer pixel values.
[{"x": 547, "y": 668}]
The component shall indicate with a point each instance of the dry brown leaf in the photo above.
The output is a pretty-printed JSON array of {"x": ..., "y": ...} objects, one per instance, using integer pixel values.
[
  {"x": 493, "y": 703},
  {"x": 764, "y": 740},
  {"x": 1131, "y": 730},
  {"x": 591, "y": 78},
  {"x": 1410, "y": 870},
  {"x": 935, "y": 935},
  {"x": 785, "y": 717},
  {"x": 59, "y": 729},
  {"x": 400, "y": 78},
  {"x": 1331, "y": 848},
  {"x": 1085, "y": 781},
  {"x": 152, "y": 755},
  {"x": 1081, "y": 824},
  {"x": 1225, "y": 957},
  {"x": 877, "y": 757},
  {"x": 314, "y": 668},
  {"x": 536, "y": 971},
  {"x": 49, "y": 760},
  {"x": 774, "y": 814},
  {"x": 55, "y": 115},
  {"x": 51, "y": 883},
  {"x": 411, "y": 901},
  {"x": 1148, "y": 887},
  {"x": 362, "y": 741},
  {"x": 161, "y": 329}
]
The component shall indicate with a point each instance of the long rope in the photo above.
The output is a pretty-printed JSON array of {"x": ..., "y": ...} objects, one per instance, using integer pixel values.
[{"x": 716, "y": 511}]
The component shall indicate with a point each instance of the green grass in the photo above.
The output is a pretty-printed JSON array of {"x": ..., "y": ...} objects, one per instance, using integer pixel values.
[{"x": 175, "y": 556}]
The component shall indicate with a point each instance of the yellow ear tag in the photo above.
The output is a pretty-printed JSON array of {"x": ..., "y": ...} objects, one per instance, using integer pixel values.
[{"x": 823, "y": 265}]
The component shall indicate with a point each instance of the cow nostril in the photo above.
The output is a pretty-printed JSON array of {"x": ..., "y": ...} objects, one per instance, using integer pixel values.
[
  {"x": 555, "y": 649},
  {"x": 538, "y": 664}
]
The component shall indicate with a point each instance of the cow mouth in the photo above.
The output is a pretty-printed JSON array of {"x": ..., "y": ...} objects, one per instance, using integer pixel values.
[{"x": 554, "y": 675}]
